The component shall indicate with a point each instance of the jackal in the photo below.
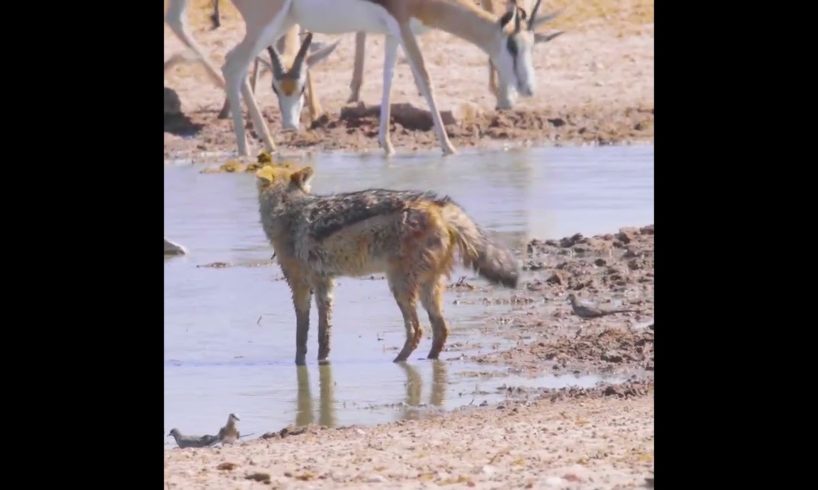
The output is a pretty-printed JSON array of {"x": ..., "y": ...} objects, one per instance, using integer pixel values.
[{"x": 410, "y": 236}]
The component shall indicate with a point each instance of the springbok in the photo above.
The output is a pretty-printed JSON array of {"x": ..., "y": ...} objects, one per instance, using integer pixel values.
[
  {"x": 508, "y": 45},
  {"x": 287, "y": 43},
  {"x": 285, "y": 81},
  {"x": 489, "y": 5},
  {"x": 360, "y": 52}
]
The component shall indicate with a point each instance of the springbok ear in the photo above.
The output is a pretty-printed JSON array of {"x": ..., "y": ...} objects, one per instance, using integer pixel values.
[
  {"x": 321, "y": 54},
  {"x": 544, "y": 38},
  {"x": 316, "y": 46},
  {"x": 302, "y": 178},
  {"x": 535, "y": 22}
]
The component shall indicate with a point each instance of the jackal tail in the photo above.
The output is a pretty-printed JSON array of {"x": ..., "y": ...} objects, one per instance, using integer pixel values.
[{"x": 488, "y": 258}]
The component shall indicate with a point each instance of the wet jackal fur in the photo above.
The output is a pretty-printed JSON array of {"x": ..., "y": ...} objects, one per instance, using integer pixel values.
[{"x": 410, "y": 236}]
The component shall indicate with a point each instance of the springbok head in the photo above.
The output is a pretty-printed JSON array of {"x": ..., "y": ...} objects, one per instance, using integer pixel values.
[
  {"x": 513, "y": 52},
  {"x": 289, "y": 85}
]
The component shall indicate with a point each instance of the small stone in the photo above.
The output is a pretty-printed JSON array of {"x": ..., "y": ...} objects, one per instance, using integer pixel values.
[{"x": 258, "y": 476}]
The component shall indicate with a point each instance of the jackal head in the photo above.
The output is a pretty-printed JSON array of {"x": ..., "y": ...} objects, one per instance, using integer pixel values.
[
  {"x": 280, "y": 189},
  {"x": 284, "y": 179}
]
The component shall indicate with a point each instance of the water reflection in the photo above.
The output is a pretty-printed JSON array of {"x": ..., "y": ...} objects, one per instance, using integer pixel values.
[
  {"x": 414, "y": 388},
  {"x": 326, "y": 400},
  {"x": 411, "y": 404}
]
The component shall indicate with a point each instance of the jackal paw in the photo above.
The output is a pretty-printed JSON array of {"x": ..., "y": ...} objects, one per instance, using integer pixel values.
[{"x": 404, "y": 354}]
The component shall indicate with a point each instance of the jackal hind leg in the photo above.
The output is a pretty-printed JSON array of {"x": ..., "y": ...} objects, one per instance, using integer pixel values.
[
  {"x": 431, "y": 297},
  {"x": 404, "y": 289}
]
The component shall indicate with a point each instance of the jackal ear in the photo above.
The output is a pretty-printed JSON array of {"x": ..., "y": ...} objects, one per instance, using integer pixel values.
[
  {"x": 265, "y": 173},
  {"x": 302, "y": 178}
]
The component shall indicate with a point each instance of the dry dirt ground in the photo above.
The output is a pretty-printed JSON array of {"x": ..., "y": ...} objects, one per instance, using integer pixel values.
[{"x": 595, "y": 86}]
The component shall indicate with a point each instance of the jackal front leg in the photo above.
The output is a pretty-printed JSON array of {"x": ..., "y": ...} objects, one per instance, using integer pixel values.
[
  {"x": 323, "y": 298},
  {"x": 302, "y": 295}
]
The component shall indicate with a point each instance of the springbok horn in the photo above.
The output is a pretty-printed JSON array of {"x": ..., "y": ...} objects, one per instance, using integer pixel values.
[
  {"x": 533, "y": 15},
  {"x": 278, "y": 70},
  {"x": 298, "y": 62}
]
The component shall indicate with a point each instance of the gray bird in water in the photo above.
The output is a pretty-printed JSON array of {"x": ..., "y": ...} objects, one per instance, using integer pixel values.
[
  {"x": 585, "y": 309},
  {"x": 229, "y": 433},
  {"x": 174, "y": 248},
  {"x": 193, "y": 441}
]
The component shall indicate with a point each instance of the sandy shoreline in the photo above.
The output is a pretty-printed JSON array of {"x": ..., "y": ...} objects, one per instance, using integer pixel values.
[{"x": 588, "y": 443}]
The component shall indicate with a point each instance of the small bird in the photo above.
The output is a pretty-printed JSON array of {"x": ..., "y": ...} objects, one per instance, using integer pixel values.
[
  {"x": 229, "y": 433},
  {"x": 193, "y": 441},
  {"x": 584, "y": 309},
  {"x": 174, "y": 248}
]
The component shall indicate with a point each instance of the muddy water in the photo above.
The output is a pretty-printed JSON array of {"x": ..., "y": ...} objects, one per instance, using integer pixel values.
[{"x": 229, "y": 331}]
